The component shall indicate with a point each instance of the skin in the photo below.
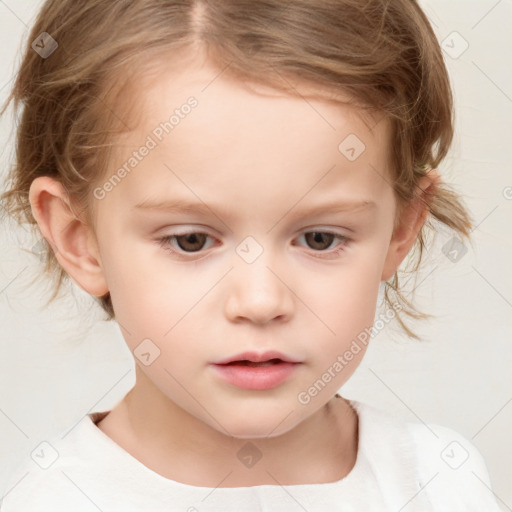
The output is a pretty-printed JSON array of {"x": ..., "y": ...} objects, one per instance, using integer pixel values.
[{"x": 256, "y": 159}]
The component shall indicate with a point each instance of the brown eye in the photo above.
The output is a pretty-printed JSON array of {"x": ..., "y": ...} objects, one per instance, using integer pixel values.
[
  {"x": 185, "y": 243},
  {"x": 320, "y": 243},
  {"x": 194, "y": 242},
  {"x": 319, "y": 240},
  {"x": 191, "y": 242}
]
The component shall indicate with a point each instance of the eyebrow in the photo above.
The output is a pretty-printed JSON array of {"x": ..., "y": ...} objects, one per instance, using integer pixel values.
[{"x": 186, "y": 206}]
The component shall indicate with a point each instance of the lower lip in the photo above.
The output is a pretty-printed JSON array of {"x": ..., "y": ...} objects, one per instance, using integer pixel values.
[{"x": 255, "y": 377}]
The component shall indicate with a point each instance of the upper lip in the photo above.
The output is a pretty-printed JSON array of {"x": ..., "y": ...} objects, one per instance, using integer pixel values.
[{"x": 256, "y": 357}]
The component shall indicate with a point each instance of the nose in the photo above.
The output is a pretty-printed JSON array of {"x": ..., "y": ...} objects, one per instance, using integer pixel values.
[{"x": 259, "y": 292}]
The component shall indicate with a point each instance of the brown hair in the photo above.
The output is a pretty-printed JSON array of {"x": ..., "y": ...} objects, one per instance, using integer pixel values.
[{"x": 382, "y": 53}]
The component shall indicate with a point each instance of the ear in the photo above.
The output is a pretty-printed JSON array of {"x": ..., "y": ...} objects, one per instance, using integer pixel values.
[
  {"x": 412, "y": 219},
  {"x": 72, "y": 241}
]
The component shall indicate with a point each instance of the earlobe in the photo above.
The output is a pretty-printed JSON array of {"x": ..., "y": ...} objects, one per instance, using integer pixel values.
[
  {"x": 68, "y": 236},
  {"x": 412, "y": 220}
]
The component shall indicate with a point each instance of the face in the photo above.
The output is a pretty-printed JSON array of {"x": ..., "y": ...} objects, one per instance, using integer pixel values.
[{"x": 284, "y": 252}]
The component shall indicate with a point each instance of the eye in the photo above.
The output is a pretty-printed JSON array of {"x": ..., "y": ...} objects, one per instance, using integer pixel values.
[
  {"x": 187, "y": 242},
  {"x": 321, "y": 240},
  {"x": 192, "y": 242}
]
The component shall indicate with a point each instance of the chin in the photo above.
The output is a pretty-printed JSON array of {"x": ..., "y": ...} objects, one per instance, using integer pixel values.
[{"x": 260, "y": 427}]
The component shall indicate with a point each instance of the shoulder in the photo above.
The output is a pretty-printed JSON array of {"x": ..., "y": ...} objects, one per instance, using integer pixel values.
[
  {"x": 446, "y": 461},
  {"x": 33, "y": 489},
  {"x": 442, "y": 448},
  {"x": 50, "y": 477},
  {"x": 450, "y": 471}
]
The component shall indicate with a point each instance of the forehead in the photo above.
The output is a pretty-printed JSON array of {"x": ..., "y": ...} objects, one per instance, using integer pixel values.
[
  {"x": 246, "y": 140},
  {"x": 236, "y": 102}
]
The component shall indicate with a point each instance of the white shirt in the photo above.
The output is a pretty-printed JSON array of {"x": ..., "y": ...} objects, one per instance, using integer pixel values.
[{"x": 400, "y": 466}]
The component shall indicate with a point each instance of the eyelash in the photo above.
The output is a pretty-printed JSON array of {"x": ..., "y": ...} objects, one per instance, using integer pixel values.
[{"x": 165, "y": 243}]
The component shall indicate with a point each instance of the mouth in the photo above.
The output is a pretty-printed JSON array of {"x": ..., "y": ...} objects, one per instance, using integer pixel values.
[
  {"x": 246, "y": 358},
  {"x": 256, "y": 372},
  {"x": 246, "y": 362}
]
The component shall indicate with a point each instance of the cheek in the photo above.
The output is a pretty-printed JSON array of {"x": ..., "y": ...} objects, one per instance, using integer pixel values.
[
  {"x": 345, "y": 299},
  {"x": 148, "y": 296},
  {"x": 345, "y": 295},
  {"x": 157, "y": 298}
]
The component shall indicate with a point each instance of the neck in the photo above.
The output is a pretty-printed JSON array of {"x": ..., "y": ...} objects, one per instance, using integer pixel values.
[{"x": 178, "y": 446}]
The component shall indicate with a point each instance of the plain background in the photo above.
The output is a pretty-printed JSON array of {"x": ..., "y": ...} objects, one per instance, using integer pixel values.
[{"x": 63, "y": 362}]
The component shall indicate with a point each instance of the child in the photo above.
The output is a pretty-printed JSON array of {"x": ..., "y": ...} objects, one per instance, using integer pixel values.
[{"x": 261, "y": 129}]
